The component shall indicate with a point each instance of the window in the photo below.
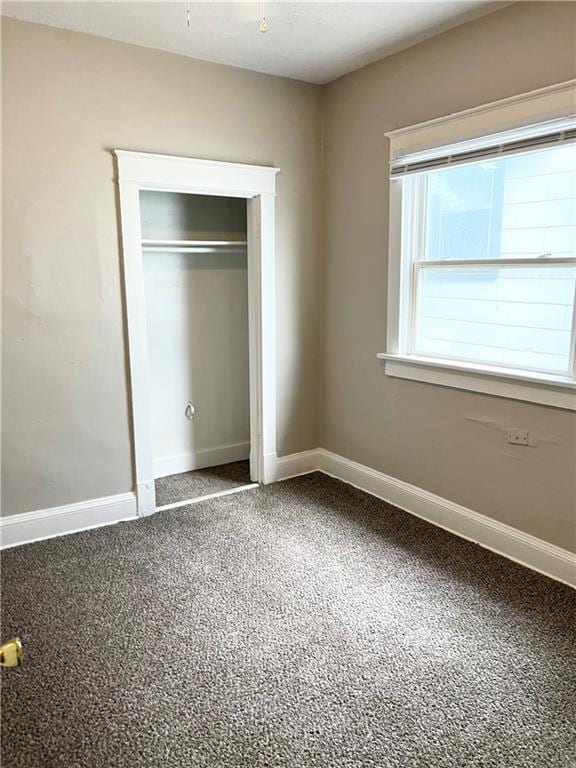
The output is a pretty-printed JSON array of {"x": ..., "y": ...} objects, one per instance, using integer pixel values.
[
  {"x": 495, "y": 261},
  {"x": 483, "y": 261}
]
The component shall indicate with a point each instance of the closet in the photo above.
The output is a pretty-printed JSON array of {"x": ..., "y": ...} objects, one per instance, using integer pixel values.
[{"x": 196, "y": 294}]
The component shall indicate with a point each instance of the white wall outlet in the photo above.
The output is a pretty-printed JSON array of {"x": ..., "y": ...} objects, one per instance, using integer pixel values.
[{"x": 518, "y": 437}]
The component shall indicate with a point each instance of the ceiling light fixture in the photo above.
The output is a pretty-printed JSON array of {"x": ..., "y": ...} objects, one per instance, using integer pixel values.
[{"x": 263, "y": 23}]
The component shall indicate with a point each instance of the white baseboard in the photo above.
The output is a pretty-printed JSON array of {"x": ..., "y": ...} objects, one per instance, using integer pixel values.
[
  {"x": 295, "y": 464},
  {"x": 209, "y": 457},
  {"x": 539, "y": 555},
  {"x": 558, "y": 563},
  {"x": 27, "y": 527}
]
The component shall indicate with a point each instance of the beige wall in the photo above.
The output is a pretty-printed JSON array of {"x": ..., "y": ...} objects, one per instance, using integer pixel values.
[
  {"x": 447, "y": 441},
  {"x": 68, "y": 99}
]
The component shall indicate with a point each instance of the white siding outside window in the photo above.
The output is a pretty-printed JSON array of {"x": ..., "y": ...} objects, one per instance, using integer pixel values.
[{"x": 521, "y": 207}]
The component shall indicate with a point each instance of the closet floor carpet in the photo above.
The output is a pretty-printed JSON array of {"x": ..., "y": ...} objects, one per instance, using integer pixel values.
[
  {"x": 201, "y": 482},
  {"x": 302, "y": 625}
]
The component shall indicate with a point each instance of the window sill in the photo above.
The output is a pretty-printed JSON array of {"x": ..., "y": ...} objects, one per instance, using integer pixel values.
[{"x": 555, "y": 391}]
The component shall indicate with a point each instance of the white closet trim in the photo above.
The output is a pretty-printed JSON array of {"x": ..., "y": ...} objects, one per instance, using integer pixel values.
[{"x": 137, "y": 171}]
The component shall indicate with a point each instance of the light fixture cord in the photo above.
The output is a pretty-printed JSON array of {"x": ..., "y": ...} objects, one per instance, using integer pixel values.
[{"x": 188, "y": 13}]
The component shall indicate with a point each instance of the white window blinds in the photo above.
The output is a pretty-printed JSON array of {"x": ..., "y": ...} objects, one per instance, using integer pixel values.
[{"x": 525, "y": 139}]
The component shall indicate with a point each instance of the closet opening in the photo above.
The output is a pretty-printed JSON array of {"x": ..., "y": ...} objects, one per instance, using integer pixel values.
[
  {"x": 157, "y": 194},
  {"x": 195, "y": 272}
]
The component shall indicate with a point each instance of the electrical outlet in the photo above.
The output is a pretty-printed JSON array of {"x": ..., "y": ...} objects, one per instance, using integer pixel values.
[{"x": 518, "y": 437}]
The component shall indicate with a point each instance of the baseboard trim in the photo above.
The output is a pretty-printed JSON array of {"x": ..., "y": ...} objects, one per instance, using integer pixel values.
[
  {"x": 534, "y": 553},
  {"x": 296, "y": 464},
  {"x": 27, "y": 527},
  {"x": 209, "y": 457}
]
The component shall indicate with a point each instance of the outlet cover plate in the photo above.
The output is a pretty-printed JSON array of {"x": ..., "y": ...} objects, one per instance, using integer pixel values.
[{"x": 518, "y": 436}]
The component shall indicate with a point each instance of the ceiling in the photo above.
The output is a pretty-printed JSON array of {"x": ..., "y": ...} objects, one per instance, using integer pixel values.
[{"x": 312, "y": 41}]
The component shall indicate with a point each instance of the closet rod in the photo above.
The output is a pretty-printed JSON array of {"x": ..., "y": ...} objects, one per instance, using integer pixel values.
[
  {"x": 195, "y": 250},
  {"x": 191, "y": 243},
  {"x": 194, "y": 246}
]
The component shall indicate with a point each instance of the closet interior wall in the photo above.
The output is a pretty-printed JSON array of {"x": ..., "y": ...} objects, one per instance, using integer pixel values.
[{"x": 196, "y": 288}]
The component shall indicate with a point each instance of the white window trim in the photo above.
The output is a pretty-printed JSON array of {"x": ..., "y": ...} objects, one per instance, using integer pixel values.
[
  {"x": 558, "y": 391},
  {"x": 545, "y": 104}
]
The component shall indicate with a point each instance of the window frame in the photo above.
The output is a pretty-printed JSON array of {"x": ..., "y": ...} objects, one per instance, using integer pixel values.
[{"x": 400, "y": 360}]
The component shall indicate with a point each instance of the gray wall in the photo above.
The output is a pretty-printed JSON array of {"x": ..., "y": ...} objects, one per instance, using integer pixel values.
[
  {"x": 447, "y": 441},
  {"x": 68, "y": 99}
]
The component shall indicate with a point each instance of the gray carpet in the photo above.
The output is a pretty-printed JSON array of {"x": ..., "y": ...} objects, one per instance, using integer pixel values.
[
  {"x": 301, "y": 625},
  {"x": 201, "y": 482}
]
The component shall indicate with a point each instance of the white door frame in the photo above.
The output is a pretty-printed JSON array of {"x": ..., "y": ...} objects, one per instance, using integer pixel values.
[{"x": 257, "y": 184}]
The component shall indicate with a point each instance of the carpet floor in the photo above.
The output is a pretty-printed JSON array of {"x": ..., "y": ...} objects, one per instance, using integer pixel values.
[
  {"x": 302, "y": 625},
  {"x": 201, "y": 482}
]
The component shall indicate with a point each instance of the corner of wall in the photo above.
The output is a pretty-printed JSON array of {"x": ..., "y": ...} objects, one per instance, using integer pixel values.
[{"x": 322, "y": 267}]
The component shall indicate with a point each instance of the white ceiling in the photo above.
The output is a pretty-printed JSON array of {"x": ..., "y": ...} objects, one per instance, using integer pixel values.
[{"x": 313, "y": 41}]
